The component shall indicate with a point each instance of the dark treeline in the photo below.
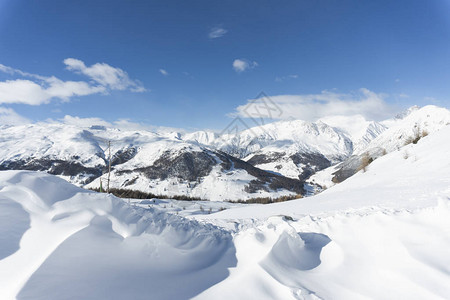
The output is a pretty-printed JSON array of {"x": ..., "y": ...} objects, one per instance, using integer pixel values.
[{"x": 135, "y": 194}]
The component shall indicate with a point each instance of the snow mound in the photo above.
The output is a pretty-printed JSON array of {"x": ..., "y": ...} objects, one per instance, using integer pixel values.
[
  {"x": 61, "y": 242},
  {"x": 381, "y": 234}
]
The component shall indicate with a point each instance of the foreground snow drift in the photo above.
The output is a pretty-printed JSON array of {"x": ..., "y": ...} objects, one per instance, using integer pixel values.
[
  {"x": 350, "y": 255},
  {"x": 61, "y": 242},
  {"x": 381, "y": 234}
]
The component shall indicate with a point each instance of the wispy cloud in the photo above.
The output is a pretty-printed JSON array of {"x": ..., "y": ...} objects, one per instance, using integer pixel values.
[
  {"x": 123, "y": 124},
  {"x": 34, "y": 89},
  {"x": 315, "y": 106},
  {"x": 240, "y": 65},
  {"x": 217, "y": 32},
  {"x": 164, "y": 72},
  {"x": 287, "y": 77},
  {"x": 9, "y": 117},
  {"x": 81, "y": 122}
]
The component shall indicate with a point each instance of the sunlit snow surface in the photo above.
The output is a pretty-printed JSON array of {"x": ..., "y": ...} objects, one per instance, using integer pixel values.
[{"x": 381, "y": 234}]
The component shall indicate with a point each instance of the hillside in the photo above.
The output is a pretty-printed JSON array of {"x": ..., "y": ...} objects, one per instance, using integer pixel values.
[{"x": 150, "y": 162}]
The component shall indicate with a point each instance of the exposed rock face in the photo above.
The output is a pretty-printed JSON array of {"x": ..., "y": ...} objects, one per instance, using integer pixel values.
[
  {"x": 312, "y": 163},
  {"x": 54, "y": 167},
  {"x": 258, "y": 159},
  {"x": 265, "y": 180},
  {"x": 188, "y": 166},
  {"x": 306, "y": 163},
  {"x": 123, "y": 155}
]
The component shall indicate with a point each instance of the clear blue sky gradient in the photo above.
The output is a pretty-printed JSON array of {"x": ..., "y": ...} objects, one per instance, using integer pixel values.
[{"x": 392, "y": 47}]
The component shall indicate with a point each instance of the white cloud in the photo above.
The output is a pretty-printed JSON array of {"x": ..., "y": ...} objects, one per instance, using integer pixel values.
[
  {"x": 164, "y": 72},
  {"x": 83, "y": 122},
  {"x": 25, "y": 91},
  {"x": 12, "y": 71},
  {"x": 22, "y": 91},
  {"x": 122, "y": 124},
  {"x": 240, "y": 65},
  {"x": 9, "y": 117},
  {"x": 217, "y": 32},
  {"x": 105, "y": 75},
  {"x": 33, "y": 89},
  {"x": 125, "y": 124},
  {"x": 315, "y": 106}
]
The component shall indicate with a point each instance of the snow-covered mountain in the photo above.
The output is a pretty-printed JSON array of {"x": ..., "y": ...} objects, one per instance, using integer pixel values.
[
  {"x": 266, "y": 161},
  {"x": 359, "y": 130},
  {"x": 294, "y": 149},
  {"x": 141, "y": 160}
]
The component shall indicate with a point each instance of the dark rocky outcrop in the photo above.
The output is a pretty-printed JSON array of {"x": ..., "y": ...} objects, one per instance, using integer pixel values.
[
  {"x": 313, "y": 162},
  {"x": 123, "y": 155},
  {"x": 188, "y": 166},
  {"x": 264, "y": 180},
  {"x": 54, "y": 167}
]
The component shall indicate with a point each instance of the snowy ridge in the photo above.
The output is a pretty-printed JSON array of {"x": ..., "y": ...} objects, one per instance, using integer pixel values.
[
  {"x": 296, "y": 148},
  {"x": 413, "y": 125},
  {"x": 360, "y": 131},
  {"x": 426, "y": 119},
  {"x": 162, "y": 164},
  {"x": 291, "y": 148}
]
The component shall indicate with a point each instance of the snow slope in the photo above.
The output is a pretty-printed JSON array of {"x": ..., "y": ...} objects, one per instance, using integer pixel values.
[
  {"x": 404, "y": 129},
  {"x": 61, "y": 242},
  {"x": 418, "y": 120},
  {"x": 381, "y": 234}
]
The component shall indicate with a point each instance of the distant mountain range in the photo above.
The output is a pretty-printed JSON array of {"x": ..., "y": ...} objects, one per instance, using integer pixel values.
[{"x": 273, "y": 160}]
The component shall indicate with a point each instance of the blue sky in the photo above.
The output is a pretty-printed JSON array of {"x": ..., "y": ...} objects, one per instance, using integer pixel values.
[{"x": 192, "y": 64}]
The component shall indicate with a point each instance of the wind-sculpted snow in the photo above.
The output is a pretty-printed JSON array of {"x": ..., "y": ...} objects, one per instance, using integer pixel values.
[
  {"x": 381, "y": 234},
  {"x": 365, "y": 254},
  {"x": 14, "y": 221},
  {"x": 76, "y": 244}
]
